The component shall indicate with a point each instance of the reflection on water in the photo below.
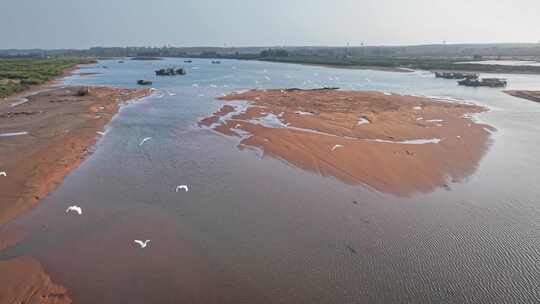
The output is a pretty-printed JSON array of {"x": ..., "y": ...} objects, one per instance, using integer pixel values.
[{"x": 255, "y": 230}]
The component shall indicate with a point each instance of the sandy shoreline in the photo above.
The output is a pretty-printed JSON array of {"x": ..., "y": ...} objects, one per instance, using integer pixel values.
[
  {"x": 530, "y": 95},
  {"x": 56, "y": 129},
  {"x": 43, "y": 139},
  {"x": 361, "y": 67},
  {"x": 390, "y": 143}
]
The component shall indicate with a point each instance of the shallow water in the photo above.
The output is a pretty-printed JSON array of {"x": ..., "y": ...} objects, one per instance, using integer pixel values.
[{"x": 254, "y": 229}]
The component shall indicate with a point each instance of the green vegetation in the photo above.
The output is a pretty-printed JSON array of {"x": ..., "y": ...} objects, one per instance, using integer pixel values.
[
  {"x": 18, "y": 74},
  {"x": 274, "y": 53}
]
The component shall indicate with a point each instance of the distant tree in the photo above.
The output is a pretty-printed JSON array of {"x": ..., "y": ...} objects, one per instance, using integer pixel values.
[
  {"x": 274, "y": 53},
  {"x": 477, "y": 57}
]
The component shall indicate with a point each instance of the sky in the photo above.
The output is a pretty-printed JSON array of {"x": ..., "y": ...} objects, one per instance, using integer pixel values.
[{"x": 54, "y": 24}]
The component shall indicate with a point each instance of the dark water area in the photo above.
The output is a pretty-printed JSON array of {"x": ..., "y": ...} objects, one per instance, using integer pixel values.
[{"x": 253, "y": 229}]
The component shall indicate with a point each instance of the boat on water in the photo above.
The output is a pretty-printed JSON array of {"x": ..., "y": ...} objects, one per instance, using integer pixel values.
[
  {"x": 170, "y": 72},
  {"x": 485, "y": 82},
  {"x": 144, "y": 82},
  {"x": 455, "y": 75},
  {"x": 216, "y": 62},
  {"x": 188, "y": 61}
]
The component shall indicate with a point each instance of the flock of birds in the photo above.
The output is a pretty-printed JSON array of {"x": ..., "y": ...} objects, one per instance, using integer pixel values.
[{"x": 79, "y": 211}]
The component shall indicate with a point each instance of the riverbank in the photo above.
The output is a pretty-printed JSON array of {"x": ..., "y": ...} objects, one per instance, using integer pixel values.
[
  {"x": 362, "y": 67},
  {"x": 20, "y": 75},
  {"x": 530, "y": 95},
  {"x": 46, "y": 135},
  {"x": 390, "y": 143},
  {"x": 405, "y": 64}
]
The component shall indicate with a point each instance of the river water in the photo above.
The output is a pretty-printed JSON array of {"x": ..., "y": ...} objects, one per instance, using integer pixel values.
[{"x": 253, "y": 229}]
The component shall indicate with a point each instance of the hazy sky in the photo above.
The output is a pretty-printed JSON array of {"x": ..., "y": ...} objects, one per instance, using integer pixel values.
[{"x": 81, "y": 24}]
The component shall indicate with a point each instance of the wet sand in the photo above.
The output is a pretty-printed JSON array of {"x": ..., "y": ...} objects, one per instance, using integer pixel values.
[
  {"x": 47, "y": 137},
  {"x": 390, "y": 143},
  {"x": 43, "y": 139},
  {"x": 24, "y": 281},
  {"x": 530, "y": 95}
]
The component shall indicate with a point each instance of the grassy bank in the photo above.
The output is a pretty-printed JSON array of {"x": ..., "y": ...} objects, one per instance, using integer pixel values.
[{"x": 19, "y": 74}]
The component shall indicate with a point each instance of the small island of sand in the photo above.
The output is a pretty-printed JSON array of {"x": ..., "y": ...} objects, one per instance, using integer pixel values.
[{"x": 390, "y": 143}]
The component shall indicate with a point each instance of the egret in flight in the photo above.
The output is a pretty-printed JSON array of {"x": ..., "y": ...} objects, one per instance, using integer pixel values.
[
  {"x": 141, "y": 243},
  {"x": 145, "y": 140},
  {"x": 185, "y": 187},
  {"x": 74, "y": 208}
]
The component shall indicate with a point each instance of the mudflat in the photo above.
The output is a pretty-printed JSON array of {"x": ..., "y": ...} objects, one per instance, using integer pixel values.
[
  {"x": 46, "y": 134},
  {"x": 390, "y": 143},
  {"x": 530, "y": 95}
]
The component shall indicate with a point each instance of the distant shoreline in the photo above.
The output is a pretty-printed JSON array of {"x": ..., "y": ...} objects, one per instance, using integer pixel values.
[{"x": 358, "y": 67}]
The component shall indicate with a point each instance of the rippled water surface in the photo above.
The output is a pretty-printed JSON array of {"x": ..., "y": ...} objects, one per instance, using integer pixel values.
[{"x": 253, "y": 229}]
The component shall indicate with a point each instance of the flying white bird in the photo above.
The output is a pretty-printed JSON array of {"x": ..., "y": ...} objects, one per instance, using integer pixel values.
[
  {"x": 336, "y": 146},
  {"x": 74, "y": 208},
  {"x": 185, "y": 187},
  {"x": 141, "y": 243},
  {"x": 4, "y": 173},
  {"x": 145, "y": 140}
]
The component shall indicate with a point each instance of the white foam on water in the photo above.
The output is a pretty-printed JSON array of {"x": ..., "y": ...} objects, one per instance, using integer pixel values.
[
  {"x": 303, "y": 113},
  {"x": 418, "y": 108},
  {"x": 13, "y": 134},
  {"x": 435, "y": 120},
  {"x": 420, "y": 118},
  {"x": 387, "y": 93}
]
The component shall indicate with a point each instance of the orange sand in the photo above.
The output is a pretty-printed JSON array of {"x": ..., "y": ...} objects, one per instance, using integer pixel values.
[
  {"x": 396, "y": 168},
  {"x": 24, "y": 281},
  {"x": 62, "y": 127}
]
